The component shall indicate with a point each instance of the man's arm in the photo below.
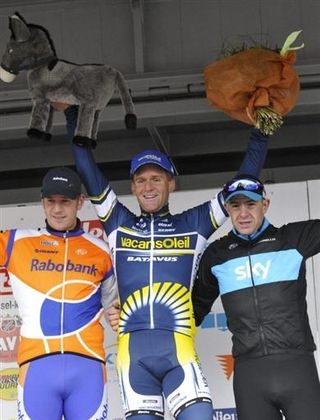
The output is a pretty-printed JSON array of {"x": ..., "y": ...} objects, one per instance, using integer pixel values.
[
  {"x": 252, "y": 163},
  {"x": 113, "y": 315},
  {"x": 109, "y": 292},
  {"x": 205, "y": 289},
  {"x": 256, "y": 153},
  {"x": 92, "y": 178},
  {"x": 109, "y": 210}
]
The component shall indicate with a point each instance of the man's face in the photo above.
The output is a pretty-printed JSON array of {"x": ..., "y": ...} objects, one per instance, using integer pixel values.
[
  {"x": 152, "y": 186},
  {"x": 61, "y": 211},
  {"x": 246, "y": 215}
]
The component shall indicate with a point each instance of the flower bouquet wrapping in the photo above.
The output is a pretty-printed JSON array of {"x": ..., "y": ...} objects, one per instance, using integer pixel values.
[{"x": 256, "y": 85}]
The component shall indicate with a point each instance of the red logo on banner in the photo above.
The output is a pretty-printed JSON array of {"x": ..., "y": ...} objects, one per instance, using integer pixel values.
[
  {"x": 95, "y": 228},
  {"x": 9, "y": 338},
  {"x": 226, "y": 361},
  {"x": 5, "y": 288}
]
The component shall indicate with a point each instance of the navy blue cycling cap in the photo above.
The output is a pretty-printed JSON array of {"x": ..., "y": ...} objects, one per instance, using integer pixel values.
[
  {"x": 244, "y": 185},
  {"x": 151, "y": 157},
  {"x": 61, "y": 181}
]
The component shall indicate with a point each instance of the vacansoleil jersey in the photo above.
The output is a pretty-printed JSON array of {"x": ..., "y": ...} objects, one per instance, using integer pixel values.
[
  {"x": 155, "y": 256},
  {"x": 59, "y": 281}
]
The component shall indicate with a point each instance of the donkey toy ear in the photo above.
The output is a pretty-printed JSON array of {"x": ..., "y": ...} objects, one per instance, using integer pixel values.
[{"x": 19, "y": 28}]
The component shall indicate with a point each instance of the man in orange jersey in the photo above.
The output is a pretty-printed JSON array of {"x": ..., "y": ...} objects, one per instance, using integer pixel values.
[{"x": 61, "y": 278}]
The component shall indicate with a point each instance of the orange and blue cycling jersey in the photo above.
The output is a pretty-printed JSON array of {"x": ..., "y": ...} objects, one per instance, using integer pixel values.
[{"x": 59, "y": 281}]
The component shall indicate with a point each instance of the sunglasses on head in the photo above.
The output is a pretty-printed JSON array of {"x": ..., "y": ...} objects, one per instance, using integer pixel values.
[{"x": 243, "y": 184}]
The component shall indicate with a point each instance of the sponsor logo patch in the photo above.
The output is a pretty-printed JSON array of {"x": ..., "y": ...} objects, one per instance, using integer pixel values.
[
  {"x": 49, "y": 265},
  {"x": 165, "y": 243}
]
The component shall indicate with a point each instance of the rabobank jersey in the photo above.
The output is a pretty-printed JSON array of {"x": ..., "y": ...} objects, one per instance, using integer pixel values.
[{"x": 59, "y": 281}]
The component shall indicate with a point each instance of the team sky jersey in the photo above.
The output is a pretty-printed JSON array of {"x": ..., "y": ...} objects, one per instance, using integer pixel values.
[
  {"x": 156, "y": 255},
  {"x": 262, "y": 283},
  {"x": 58, "y": 280}
]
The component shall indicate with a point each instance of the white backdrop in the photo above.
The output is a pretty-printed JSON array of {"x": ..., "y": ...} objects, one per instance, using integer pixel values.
[{"x": 289, "y": 202}]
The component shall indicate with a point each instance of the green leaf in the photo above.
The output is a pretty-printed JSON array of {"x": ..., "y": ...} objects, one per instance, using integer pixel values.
[{"x": 289, "y": 41}]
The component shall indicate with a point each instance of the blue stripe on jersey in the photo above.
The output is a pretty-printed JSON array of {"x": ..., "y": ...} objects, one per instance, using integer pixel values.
[
  {"x": 10, "y": 246},
  {"x": 267, "y": 268}
]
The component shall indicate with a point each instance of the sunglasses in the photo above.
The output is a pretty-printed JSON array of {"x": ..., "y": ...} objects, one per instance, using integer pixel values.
[{"x": 243, "y": 184}]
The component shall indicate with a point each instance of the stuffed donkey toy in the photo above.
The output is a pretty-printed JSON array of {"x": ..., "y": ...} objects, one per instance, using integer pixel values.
[{"x": 55, "y": 84}]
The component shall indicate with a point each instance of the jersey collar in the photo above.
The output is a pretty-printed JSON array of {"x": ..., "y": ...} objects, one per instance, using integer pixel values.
[
  {"x": 254, "y": 235},
  {"x": 161, "y": 213},
  {"x": 66, "y": 233}
]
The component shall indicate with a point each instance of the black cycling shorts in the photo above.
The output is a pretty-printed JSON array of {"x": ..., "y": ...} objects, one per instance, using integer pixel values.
[{"x": 266, "y": 387}]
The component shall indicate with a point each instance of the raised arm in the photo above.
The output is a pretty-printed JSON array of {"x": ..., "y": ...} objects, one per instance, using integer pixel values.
[
  {"x": 253, "y": 160},
  {"x": 256, "y": 153},
  {"x": 109, "y": 210},
  {"x": 92, "y": 178}
]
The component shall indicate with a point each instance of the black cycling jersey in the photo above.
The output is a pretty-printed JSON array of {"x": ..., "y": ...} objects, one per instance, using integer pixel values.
[{"x": 262, "y": 283}]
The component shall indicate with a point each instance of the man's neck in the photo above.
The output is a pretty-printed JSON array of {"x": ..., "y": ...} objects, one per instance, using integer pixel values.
[{"x": 265, "y": 223}]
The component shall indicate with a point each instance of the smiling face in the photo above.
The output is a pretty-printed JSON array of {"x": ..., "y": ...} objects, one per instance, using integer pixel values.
[
  {"x": 61, "y": 212},
  {"x": 152, "y": 186},
  {"x": 247, "y": 215}
]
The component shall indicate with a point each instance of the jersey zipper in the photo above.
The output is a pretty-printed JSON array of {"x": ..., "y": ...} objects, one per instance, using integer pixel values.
[
  {"x": 64, "y": 273},
  {"x": 151, "y": 291},
  {"x": 257, "y": 308}
]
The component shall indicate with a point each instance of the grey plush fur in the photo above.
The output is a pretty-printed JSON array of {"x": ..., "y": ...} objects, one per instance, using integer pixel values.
[{"x": 50, "y": 80}]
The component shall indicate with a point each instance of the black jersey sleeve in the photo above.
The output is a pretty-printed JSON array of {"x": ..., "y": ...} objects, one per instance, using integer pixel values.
[
  {"x": 206, "y": 288},
  {"x": 304, "y": 236}
]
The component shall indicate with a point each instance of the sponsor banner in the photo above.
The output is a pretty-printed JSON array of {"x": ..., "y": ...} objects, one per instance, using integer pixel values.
[
  {"x": 10, "y": 324},
  {"x": 8, "y": 384},
  {"x": 215, "y": 320},
  {"x": 225, "y": 414},
  {"x": 5, "y": 288},
  {"x": 9, "y": 336},
  {"x": 94, "y": 227},
  {"x": 115, "y": 406},
  {"x": 227, "y": 364},
  {"x": 213, "y": 344}
]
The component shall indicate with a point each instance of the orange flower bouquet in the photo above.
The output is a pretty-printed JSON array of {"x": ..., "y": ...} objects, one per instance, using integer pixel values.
[{"x": 256, "y": 85}]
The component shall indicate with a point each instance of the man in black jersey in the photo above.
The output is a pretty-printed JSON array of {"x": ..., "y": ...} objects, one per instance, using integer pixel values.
[{"x": 259, "y": 271}]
